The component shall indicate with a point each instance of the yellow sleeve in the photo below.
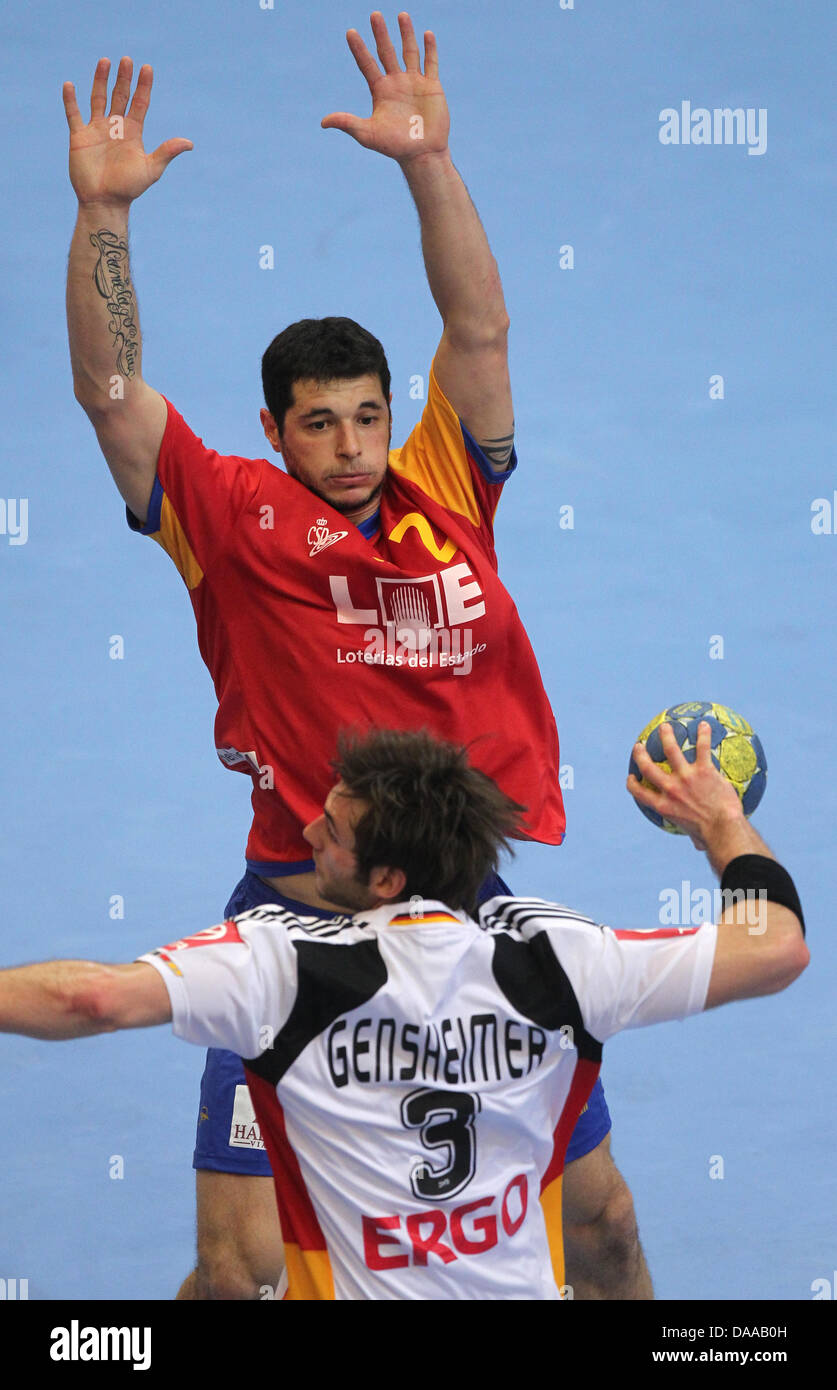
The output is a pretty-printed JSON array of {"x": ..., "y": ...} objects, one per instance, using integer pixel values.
[{"x": 434, "y": 456}]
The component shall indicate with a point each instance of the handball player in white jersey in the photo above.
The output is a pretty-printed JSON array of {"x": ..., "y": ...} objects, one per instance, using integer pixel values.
[{"x": 417, "y": 1071}]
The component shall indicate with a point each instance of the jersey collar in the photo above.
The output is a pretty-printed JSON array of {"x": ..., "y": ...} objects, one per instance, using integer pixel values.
[
  {"x": 371, "y": 525},
  {"x": 412, "y": 913}
]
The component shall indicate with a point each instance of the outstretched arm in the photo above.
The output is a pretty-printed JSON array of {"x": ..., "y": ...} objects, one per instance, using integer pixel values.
[
  {"x": 410, "y": 124},
  {"x": 62, "y": 999},
  {"x": 752, "y": 957},
  {"x": 108, "y": 170}
]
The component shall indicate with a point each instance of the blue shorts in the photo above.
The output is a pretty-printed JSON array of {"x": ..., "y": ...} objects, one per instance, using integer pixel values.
[{"x": 228, "y": 1138}]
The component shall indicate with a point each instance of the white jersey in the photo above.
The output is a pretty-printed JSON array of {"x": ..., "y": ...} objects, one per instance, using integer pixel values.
[{"x": 417, "y": 1078}]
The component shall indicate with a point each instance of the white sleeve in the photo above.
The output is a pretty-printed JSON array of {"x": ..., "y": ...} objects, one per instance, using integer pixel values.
[
  {"x": 629, "y": 979},
  {"x": 231, "y": 986}
]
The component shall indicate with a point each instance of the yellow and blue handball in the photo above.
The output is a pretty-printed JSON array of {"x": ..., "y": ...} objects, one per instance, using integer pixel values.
[{"x": 736, "y": 751}]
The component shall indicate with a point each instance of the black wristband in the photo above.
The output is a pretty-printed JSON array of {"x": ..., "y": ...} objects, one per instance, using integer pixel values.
[{"x": 755, "y": 872}]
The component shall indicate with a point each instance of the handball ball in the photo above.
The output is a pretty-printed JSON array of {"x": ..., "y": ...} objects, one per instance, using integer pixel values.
[{"x": 736, "y": 751}]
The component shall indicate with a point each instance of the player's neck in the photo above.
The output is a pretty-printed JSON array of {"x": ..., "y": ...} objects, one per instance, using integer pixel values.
[
  {"x": 301, "y": 888},
  {"x": 363, "y": 513}
]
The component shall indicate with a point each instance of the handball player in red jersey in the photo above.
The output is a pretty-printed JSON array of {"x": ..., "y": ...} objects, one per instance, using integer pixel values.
[{"x": 358, "y": 586}]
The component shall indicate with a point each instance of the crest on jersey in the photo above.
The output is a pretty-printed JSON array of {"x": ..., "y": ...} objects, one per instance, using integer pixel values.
[
  {"x": 414, "y": 604},
  {"x": 320, "y": 538}
]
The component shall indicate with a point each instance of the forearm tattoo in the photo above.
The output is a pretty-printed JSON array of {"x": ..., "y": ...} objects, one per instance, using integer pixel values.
[
  {"x": 112, "y": 278},
  {"x": 498, "y": 451}
]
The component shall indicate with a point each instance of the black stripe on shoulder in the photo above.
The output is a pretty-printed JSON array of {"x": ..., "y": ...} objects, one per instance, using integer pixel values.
[
  {"x": 536, "y": 985},
  {"x": 332, "y": 980},
  {"x": 271, "y": 914},
  {"x": 323, "y": 930},
  {"x": 517, "y": 912}
]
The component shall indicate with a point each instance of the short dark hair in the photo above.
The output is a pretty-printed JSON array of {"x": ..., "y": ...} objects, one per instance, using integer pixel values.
[
  {"x": 429, "y": 813},
  {"x": 328, "y": 349}
]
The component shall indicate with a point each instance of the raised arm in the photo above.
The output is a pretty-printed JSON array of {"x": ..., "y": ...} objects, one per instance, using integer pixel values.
[
  {"x": 410, "y": 124},
  {"x": 758, "y": 951},
  {"x": 108, "y": 170}
]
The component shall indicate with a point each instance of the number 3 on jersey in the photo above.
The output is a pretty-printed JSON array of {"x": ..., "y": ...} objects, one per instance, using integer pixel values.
[{"x": 445, "y": 1120}]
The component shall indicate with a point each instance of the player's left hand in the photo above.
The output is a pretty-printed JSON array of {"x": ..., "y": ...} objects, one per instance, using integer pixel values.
[
  {"x": 409, "y": 110},
  {"x": 695, "y": 796}
]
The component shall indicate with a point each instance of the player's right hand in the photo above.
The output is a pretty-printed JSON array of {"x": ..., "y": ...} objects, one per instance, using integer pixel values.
[
  {"x": 695, "y": 796},
  {"x": 108, "y": 164}
]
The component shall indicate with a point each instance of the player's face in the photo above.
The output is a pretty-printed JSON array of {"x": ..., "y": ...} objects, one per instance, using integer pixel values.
[
  {"x": 332, "y": 838},
  {"x": 335, "y": 441}
]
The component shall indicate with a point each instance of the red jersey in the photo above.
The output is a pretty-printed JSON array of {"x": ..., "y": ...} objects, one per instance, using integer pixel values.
[{"x": 308, "y": 625}]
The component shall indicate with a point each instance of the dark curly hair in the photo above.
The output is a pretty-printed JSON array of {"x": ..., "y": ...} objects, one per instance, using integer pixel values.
[{"x": 429, "y": 813}]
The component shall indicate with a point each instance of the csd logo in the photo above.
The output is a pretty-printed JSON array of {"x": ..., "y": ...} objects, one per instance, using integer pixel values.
[{"x": 319, "y": 536}]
